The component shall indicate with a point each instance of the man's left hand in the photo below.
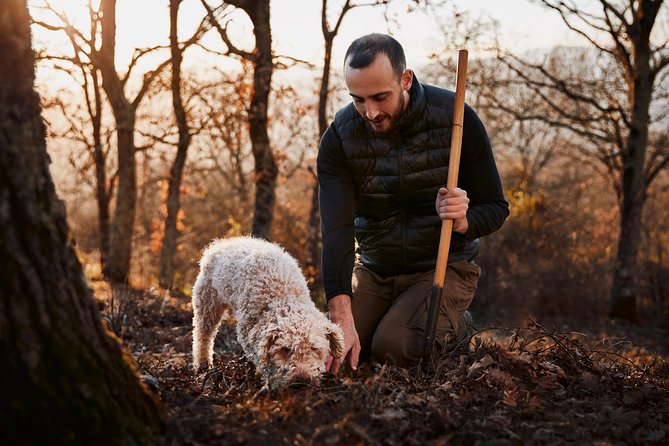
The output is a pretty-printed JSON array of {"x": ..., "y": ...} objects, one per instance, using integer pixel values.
[{"x": 453, "y": 204}]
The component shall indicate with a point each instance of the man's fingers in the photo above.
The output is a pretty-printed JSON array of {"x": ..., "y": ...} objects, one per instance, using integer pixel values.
[
  {"x": 454, "y": 201},
  {"x": 335, "y": 366},
  {"x": 452, "y": 193},
  {"x": 332, "y": 365},
  {"x": 454, "y": 207},
  {"x": 454, "y": 211},
  {"x": 454, "y": 197},
  {"x": 355, "y": 356}
]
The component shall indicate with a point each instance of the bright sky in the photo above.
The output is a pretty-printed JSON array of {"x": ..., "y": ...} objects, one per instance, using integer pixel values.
[{"x": 296, "y": 26}]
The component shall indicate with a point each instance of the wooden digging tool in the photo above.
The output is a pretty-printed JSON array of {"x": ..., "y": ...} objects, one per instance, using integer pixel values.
[{"x": 451, "y": 183}]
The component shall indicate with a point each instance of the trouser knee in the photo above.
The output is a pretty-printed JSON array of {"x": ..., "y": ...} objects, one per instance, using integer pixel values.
[{"x": 401, "y": 351}]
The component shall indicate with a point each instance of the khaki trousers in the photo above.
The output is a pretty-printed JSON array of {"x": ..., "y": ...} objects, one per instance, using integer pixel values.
[{"x": 390, "y": 313}]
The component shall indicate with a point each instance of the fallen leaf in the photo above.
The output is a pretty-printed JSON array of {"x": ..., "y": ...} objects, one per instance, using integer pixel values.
[
  {"x": 482, "y": 363},
  {"x": 389, "y": 415},
  {"x": 510, "y": 398},
  {"x": 524, "y": 358},
  {"x": 549, "y": 366}
]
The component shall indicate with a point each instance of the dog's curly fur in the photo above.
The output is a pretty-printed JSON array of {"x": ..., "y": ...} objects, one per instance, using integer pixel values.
[{"x": 278, "y": 326}]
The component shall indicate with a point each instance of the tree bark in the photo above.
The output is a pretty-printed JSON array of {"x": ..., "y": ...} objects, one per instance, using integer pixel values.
[
  {"x": 624, "y": 287},
  {"x": 266, "y": 170},
  {"x": 176, "y": 173},
  {"x": 66, "y": 380}
]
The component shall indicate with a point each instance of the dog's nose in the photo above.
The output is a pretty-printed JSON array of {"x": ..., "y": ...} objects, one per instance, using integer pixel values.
[{"x": 301, "y": 379}]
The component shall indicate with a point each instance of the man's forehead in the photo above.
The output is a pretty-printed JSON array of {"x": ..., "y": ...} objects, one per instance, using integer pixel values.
[{"x": 376, "y": 78}]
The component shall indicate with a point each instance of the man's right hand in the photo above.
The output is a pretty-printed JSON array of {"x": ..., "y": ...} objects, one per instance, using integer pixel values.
[{"x": 339, "y": 308}]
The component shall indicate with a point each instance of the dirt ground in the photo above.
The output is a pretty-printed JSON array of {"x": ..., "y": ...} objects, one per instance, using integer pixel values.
[{"x": 512, "y": 386}]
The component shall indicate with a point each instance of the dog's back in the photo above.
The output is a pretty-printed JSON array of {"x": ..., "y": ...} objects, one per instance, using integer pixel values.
[{"x": 249, "y": 268}]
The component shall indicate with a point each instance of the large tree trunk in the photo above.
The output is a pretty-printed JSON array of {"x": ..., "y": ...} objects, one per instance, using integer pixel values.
[
  {"x": 266, "y": 169},
  {"x": 176, "y": 173},
  {"x": 123, "y": 223},
  {"x": 624, "y": 287},
  {"x": 66, "y": 380}
]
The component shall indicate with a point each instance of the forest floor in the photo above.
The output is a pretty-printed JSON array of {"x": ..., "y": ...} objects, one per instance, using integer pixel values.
[{"x": 598, "y": 385}]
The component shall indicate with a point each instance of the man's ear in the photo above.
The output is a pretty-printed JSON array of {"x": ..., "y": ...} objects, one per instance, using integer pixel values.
[{"x": 407, "y": 79}]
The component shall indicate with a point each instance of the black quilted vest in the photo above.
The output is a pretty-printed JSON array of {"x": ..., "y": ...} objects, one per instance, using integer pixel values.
[{"x": 396, "y": 178}]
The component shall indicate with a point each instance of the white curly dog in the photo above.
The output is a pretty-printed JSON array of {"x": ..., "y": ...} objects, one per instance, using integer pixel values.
[{"x": 278, "y": 326}]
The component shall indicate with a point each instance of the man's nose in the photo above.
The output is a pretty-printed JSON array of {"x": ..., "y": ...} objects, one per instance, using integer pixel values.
[{"x": 371, "y": 112}]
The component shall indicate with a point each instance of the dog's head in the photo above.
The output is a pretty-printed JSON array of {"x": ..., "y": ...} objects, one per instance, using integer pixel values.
[{"x": 292, "y": 353}]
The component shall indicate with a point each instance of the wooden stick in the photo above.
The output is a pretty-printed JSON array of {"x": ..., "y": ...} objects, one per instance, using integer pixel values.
[{"x": 451, "y": 183}]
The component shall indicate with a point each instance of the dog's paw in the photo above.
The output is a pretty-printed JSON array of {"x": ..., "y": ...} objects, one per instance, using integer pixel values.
[{"x": 201, "y": 368}]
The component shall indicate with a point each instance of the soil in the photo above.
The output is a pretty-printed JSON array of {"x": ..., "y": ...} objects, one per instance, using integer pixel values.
[{"x": 511, "y": 386}]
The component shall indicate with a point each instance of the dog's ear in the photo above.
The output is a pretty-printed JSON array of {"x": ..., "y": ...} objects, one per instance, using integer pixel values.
[
  {"x": 336, "y": 339},
  {"x": 265, "y": 347}
]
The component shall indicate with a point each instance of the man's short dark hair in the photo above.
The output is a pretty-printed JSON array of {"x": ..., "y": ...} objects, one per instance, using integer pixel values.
[{"x": 364, "y": 50}]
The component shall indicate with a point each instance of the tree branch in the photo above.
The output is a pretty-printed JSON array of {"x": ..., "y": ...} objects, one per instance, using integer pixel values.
[
  {"x": 661, "y": 63},
  {"x": 620, "y": 52},
  {"x": 223, "y": 31},
  {"x": 138, "y": 54},
  {"x": 556, "y": 84},
  {"x": 294, "y": 61},
  {"x": 150, "y": 76},
  {"x": 652, "y": 174},
  {"x": 564, "y": 10},
  {"x": 552, "y": 122}
]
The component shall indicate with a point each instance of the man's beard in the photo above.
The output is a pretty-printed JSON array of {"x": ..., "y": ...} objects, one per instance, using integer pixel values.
[{"x": 393, "y": 118}]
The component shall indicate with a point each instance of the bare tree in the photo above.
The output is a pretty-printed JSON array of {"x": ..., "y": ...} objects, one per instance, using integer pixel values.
[
  {"x": 88, "y": 78},
  {"x": 608, "y": 104},
  {"x": 529, "y": 145},
  {"x": 118, "y": 266},
  {"x": 224, "y": 146},
  {"x": 176, "y": 173},
  {"x": 125, "y": 110},
  {"x": 266, "y": 169},
  {"x": 66, "y": 380}
]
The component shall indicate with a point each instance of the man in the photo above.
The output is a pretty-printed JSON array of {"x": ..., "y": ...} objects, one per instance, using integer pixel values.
[{"x": 381, "y": 164}]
